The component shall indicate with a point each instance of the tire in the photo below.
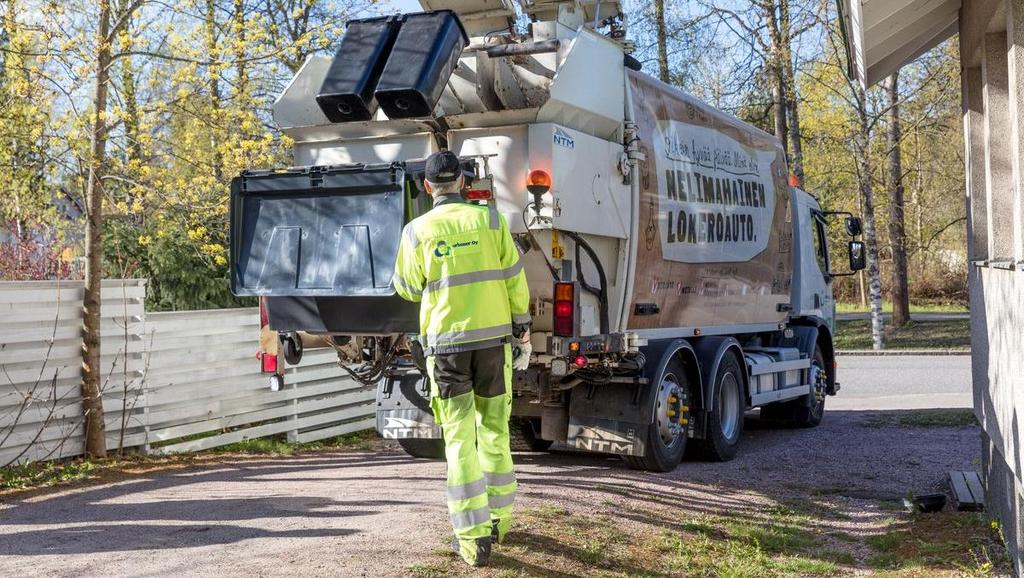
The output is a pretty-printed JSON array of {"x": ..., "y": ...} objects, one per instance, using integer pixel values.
[
  {"x": 429, "y": 449},
  {"x": 668, "y": 434},
  {"x": 803, "y": 412},
  {"x": 523, "y": 437},
  {"x": 725, "y": 418},
  {"x": 292, "y": 346}
]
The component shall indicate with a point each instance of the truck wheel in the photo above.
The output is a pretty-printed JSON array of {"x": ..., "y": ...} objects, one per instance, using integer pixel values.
[
  {"x": 430, "y": 449},
  {"x": 291, "y": 343},
  {"x": 523, "y": 437},
  {"x": 802, "y": 412},
  {"x": 725, "y": 418},
  {"x": 667, "y": 434}
]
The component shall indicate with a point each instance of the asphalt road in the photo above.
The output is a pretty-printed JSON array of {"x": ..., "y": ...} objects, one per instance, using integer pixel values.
[
  {"x": 377, "y": 514},
  {"x": 903, "y": 382}
]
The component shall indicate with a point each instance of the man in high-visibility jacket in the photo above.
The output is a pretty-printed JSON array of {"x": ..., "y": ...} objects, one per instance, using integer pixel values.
[{"x": 460, "y": 262}]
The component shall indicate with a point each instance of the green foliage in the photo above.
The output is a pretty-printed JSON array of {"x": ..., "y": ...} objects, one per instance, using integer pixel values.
[{"x": 42, "y": 474}]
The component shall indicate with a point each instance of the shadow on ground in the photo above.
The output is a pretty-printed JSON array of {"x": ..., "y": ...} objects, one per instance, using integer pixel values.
[{"x": 793, "y": 502}]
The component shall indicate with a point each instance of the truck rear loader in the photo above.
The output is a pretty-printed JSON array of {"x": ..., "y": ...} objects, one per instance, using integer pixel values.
[{"x": 678, "y": 277}]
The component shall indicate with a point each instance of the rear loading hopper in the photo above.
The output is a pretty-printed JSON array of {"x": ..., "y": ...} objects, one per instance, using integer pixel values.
[{"x": 320, "y": 243}]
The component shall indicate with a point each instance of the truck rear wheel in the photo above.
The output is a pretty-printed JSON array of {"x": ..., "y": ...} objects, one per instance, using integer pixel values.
[
  {"x": 523, "y": 436},
  {"x": 670, "y": 427},
  {"x": 429, "y": 449},
  {"x": 725, "y": 418},
  {"x": 804, "y": 412}
]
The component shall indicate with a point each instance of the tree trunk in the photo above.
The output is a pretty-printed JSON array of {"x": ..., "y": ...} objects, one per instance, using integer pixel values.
[
  {"x": 132, "y": 121},
  {"x": 92, "y": 400},
  {"x": 241, "y": 70},
  {"x": 789, "y": 82},
  {"x": 774, "y": 67},
  {"x": 874, "y": 279},
  {"x": 215, "y": 96},
  {"x": 662, "y": 35},
  {"x": 897, "y": 231}
]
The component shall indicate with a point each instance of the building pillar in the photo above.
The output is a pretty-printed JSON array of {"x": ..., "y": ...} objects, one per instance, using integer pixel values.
[
  {"x": 999, "y": 183},
  {"x": 1015, "y": 62},
  {"x": 974, "y": 165}
]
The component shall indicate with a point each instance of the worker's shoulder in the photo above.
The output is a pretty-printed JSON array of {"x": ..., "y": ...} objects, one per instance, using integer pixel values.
[{"x": 466, "y": 215}]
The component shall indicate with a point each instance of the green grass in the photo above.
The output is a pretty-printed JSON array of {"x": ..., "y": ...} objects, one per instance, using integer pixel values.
[
  {"x": 962, "y": 541},
  {"x": 950, "y": 334},
  {"x": 43, "y": 474},
  {"x": 914, "y": 307},
  {"x": 32, "y": 475},
  {"x": 922, "y": 418}
]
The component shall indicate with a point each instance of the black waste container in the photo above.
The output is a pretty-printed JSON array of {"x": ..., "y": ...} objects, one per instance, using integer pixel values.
[
  {"x": 425, "y": 53},
  {"x": 347, "y": 91}
]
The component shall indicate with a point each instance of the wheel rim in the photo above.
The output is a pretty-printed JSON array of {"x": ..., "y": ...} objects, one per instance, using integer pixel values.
[
  {"x": 729, "y": 406},
  {"x": 672, "y": 412},
  {"x": 820, "y": 380}
]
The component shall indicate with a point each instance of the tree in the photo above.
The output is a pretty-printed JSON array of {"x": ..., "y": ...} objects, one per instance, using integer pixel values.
[
  {"x": 900, "y": 293},
  {"x": 662, "y": 38}
]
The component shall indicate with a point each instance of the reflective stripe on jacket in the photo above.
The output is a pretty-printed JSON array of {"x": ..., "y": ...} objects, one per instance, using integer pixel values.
[{"x": 460, "y": 262}]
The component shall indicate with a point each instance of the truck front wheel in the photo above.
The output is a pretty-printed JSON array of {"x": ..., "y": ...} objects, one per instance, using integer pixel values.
[
  {"x": 667, "y": 434},
  {"x": 806, "y": 411}
]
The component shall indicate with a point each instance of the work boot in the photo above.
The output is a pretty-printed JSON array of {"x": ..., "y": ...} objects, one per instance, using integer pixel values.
[
  {"x": 498, "y": 530},
  {"x": 476, "y": 552}
]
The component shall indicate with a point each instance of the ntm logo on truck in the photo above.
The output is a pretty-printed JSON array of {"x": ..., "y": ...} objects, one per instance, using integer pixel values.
[{"x": 563, "y": 139}]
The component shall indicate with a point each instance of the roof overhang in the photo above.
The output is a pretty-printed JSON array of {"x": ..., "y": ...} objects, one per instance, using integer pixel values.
[{"x": 883, "y": 35}]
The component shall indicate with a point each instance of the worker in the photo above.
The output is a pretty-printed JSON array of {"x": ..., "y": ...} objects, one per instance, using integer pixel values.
[{"x": 460, "y": 263}]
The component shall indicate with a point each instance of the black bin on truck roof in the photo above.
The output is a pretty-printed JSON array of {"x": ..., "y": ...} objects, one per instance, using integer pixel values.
[
  {"x": 400, "y": 62},
  {"x": 425, "y": 54},
  {"x": 347, "y": 91}
]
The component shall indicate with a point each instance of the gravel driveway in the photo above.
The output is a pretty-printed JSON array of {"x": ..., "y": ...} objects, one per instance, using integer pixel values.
[{"x": 376, "y": 514}]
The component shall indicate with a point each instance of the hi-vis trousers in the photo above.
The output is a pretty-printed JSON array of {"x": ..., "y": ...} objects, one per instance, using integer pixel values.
[{"x": 471, "y": 395}]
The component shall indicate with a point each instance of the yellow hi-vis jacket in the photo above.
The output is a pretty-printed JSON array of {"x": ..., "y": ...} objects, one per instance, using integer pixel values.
[{"x": 460, "y": 262}]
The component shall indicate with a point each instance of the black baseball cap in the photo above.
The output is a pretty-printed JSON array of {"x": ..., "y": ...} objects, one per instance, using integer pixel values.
[{"x": 442, "y": 167}]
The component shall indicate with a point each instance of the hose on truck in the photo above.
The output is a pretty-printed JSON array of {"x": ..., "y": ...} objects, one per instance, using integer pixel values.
[
  {"x": 601, "y": 291},
  {"x": 372, "y": 372}
]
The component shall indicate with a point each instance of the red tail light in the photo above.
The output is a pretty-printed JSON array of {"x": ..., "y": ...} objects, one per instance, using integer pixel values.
[
  {"x": 264, "y": 317},
  {"x": 565, "y": 309},
  {"x": 268, "y": 363},
  {"x": 478, "y": 195}
]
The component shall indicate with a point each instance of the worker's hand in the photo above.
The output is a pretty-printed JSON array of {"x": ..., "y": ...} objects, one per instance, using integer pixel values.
[{"x": 521, "y": 354}]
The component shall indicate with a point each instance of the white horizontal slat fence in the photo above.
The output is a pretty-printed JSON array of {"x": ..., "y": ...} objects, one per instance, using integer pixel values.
[
  {"x": 41, "y": 367},
  {"x": 173, "y": 382}
]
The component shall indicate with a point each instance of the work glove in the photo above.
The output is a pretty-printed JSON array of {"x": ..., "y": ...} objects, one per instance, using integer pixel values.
[{"x": 521, "y": 350}]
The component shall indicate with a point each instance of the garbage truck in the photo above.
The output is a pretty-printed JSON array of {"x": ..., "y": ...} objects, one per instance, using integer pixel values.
[{"x": 679, "y": 277}]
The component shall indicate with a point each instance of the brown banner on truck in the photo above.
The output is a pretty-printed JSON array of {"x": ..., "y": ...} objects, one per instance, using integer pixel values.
[{"x": 715, "y": 244}]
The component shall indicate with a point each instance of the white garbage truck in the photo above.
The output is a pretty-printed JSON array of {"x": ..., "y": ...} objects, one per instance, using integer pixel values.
[{"x": 678, "y": 276}]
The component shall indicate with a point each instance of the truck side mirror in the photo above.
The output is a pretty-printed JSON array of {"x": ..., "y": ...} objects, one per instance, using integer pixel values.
[
  {"x": 857, "y": 257},
  {"x": 853, "y": 226}
]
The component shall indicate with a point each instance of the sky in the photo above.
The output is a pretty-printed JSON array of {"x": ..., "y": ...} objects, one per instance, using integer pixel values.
[{"x": 406, "y": 5}]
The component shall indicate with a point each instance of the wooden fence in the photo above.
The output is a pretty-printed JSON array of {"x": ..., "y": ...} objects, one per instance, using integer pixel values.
[{"x": 172, "y": 382}]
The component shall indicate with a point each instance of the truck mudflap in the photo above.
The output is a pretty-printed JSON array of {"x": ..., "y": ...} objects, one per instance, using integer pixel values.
[
  {"x": 403, "y": 406},
  {"x": 594, "y": 425}
]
